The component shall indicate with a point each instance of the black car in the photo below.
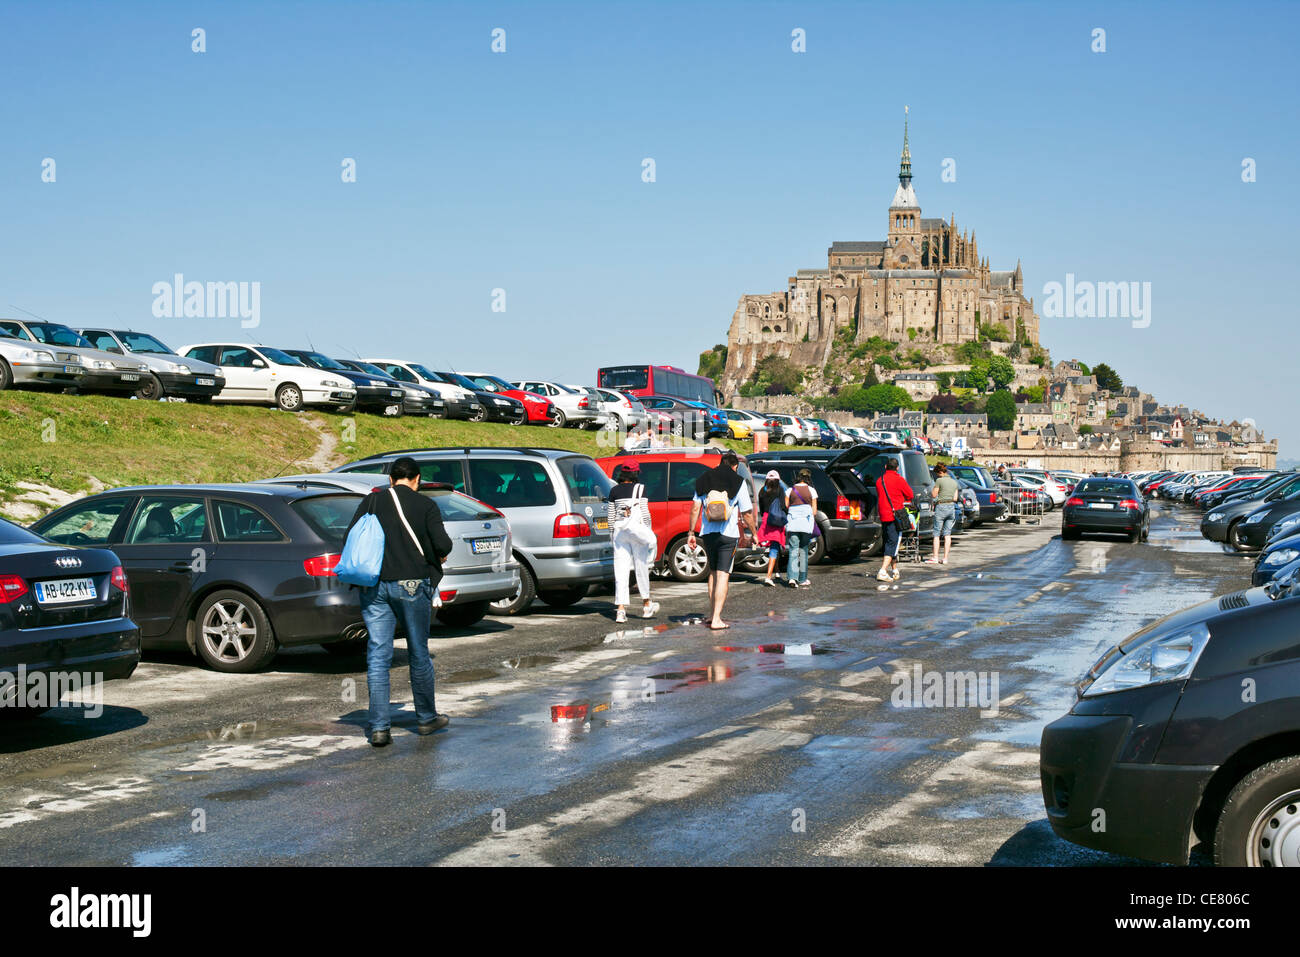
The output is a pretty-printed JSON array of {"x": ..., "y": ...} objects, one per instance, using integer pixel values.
[
  {"x": 1223, "y": 522},
  {"x": 868, "y": 462},
  {"x": 1112, "y": 505},
  {"x": 844, "y": 505},
  {"x": 1187, "y": 731},
  {"x": 1251, "y": 533},
  {"x": 62, "y": 610},
  {"x": 687, "y": 420},
  {"x": 381, "y": 396},
  {"x": 231, "y": 572},
  {"x": 416, "y": 399},
  {"x": 496, "y": 407}
]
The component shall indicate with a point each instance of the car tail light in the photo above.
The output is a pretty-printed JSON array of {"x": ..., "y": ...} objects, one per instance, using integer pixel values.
[
  {"x": 584, "y": 402},
  {"x": 842, "y": 507},
  {"x": 1074, "y": 501},
  {"x": 322, "y": 566},
  {"x": 447, "y": 595},
  {"x": 117, "y": 578},
  {"x": 12, "y": 587},
  {"x": 571, "y": 525},
  {"x": 1129, "y": 503}
]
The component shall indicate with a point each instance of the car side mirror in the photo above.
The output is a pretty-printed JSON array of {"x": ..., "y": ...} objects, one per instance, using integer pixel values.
[{"x": 259, "y": 364}]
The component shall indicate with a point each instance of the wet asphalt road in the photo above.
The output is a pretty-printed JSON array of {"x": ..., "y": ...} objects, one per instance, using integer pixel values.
[{"x": 690, "y": 753}]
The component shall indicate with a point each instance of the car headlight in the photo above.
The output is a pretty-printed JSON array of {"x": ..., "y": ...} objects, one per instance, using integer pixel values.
[
  {"x": 1257, "y": 518},
  {"x": 219, "y": 372},
  {"x": 178, "y": 368},
  {"x": 376, "y": 383},
  {"x": 35, "y": 355},
  {"x": 1157, "y": 659},
  {"x": 1214, "y": 517},
  {"x": 102, "y": 364},
  {"x": 331, "y": 383},
  {"x": 1283, "y": 556},
  {"x": 1285, "y": 524}
]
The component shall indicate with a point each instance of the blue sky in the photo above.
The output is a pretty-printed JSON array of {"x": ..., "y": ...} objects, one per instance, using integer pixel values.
[{"x": 522, "y": 171}]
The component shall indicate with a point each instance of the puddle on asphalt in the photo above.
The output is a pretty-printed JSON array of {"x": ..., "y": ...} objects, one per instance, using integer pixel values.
[
  {"x": 160, "y": 856},
  {"x": 530, "y": 661},
  {"x": 251, "y": 794}
]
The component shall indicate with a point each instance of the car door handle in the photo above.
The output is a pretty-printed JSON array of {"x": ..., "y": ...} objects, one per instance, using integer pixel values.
[{"x": 182, "y": 566}]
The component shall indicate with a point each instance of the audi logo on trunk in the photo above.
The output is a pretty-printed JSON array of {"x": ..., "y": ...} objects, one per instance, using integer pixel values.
[{"x": 67, "y": 561}]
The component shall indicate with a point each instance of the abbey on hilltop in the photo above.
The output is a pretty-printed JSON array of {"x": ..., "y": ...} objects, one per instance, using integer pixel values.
[{"x": 925, "y": 283}]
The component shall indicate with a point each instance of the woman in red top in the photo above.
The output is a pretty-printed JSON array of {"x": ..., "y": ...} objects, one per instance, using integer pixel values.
[{"x": 892, "y": 492}]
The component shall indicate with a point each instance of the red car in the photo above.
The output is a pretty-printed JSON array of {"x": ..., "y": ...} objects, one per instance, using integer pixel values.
[
  {"x": 539, "y": 408},
  {"x": 669, "y": 479}
]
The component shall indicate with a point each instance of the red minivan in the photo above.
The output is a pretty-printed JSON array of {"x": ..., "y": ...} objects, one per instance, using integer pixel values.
[{"x": 669, "y": 479}]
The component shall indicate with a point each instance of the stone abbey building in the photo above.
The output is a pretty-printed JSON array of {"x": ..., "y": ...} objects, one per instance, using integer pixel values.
[{"x": 925, "y": 276}]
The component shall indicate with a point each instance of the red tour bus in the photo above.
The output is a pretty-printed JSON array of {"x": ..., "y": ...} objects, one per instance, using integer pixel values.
[{"x": 656, "y": 380}]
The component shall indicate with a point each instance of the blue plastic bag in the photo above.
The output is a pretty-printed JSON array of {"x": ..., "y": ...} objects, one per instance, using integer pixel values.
[{"x": 363, "y": 553}]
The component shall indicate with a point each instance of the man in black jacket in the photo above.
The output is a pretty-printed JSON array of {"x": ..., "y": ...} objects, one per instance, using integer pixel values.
[{"x": 415, "y": 546}]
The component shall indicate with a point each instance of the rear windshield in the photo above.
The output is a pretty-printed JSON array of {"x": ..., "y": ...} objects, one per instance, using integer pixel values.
[
  {"x": 457, "y": 507},
  {"x": 586, "y": 480},
  {"x": 328, "y": 515},
  {"x": 1109, "y": 488},
  {"x": 11, "y": 534}
]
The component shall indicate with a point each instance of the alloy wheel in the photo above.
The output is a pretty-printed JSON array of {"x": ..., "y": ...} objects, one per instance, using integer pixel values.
[{"x": 229, "y": 631}]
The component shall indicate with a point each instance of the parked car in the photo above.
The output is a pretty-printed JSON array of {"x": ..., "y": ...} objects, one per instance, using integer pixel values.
[
  {"x": 102, "y": 371},
  {"x": 498, "y": 407},
  {"x": 61, "y": 609},
  {"x": 1277, "y": 559},
  {"x": 1056, "y": 490},
  {"x": 555, "y": 503},
  {"x": 25, "y": 363},
  {"x": 457, "y": 403},
  {"x": 1251, "y": 532},
  {"x": 1110, "y": 505},
  {"x": 571, "y": 407},
  {"x": 231, "y": 573},
  {"x": 168, "y": 374},
  {"x": 597, "y": 403},
  {"x": 625, "y": 412},
  {"x": 1222, "y": 523},
  {"x": 678, "y": 416},
  {"x": 991, "y": 507},
  {"x": 868, "y": 462},
  {"x": 416, "y": 399},
  {"x": 669, "y": 478},
  {"x": 266, "y": 376},
  {"x": 1163, "y": 738},
  {"x": 478, "y": 571},
  {"x": 792, "y": 430},
  {"x": 539, "y": 409},
  {"x": 742, "y": 424},
  {"x": 844, "y": 505},
  {"x": 381, "y": 396}
]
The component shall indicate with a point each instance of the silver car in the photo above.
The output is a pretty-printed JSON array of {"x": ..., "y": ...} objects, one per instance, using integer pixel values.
[
  {"x": 794, "y": 430},
  {"x": 555, "y": 501},
  {"x": 480, "y": 568},
  {"x": 31, "y": 364},
  {"x": 169, "y": 374},
  {"x": 104, "y": 372},
  {"x": 571, "y": 406},
  {"x": 624, "y": 410}
]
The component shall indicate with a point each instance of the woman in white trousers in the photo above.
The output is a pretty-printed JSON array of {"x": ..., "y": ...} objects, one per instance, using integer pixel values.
[{"x": 634, "y": 541}]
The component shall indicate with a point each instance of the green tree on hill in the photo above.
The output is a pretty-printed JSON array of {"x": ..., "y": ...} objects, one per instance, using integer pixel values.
[
  {"x": 1108, "y": 378},
  {"x": 713, "y": 362},
  {"x": 1001, "y": 371},
  {"x": 1001, "y": 410}
]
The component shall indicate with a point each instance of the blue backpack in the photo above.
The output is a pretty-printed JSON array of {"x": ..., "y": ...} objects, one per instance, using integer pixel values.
[{"x": 363, "y": 553}]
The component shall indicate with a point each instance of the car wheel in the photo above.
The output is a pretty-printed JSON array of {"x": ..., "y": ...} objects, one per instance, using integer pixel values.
[
  {"x": 788, "y": 439},
  {"x": 395, "y": 411},
  {"x": 731, "y": 434},
  {"x": 817, "y": 550},
  {"x": 1146, "y": 532},
  {"x": 1234, "y": 536},
  {"x": 687, "y": 564},
  {"x": 678, "y": 429},
  {"x": 463, "y": 616},
  {"x": 559, "y": 421},
  {"x": 232, "y": 633},
  {"x": 1135, "y": 535},
  {"x": 288, "y": 398},
  {"x": 563, "y": 597},
  {"x": 1259, "y": 825},
  {"x": 518, "y": 603},
  {"x": 521, "y": 418},
  {"x": 478, "y": 415},
  {"x": 6, "y": 376}
]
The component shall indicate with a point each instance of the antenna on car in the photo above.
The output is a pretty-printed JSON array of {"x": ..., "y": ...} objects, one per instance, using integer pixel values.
[{"x": 32, "y": 314}]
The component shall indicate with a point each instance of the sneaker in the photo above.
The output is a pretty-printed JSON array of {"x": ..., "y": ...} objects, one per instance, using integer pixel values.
[
  {"x": 883, "y": 576},
  {"x": 805, "y": 584},
  {"x": 620, "y": 617},
  {"x": 792, "y": 583},
  {"x": 769, "y": 583},
  {"x": 651, "y": 611},
  {"x": 896, "y": 575},
  {"x": 932, "y": 561}
]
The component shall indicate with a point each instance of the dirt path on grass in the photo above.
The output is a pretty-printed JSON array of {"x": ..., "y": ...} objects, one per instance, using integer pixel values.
[{"x": 326, "y": 455}]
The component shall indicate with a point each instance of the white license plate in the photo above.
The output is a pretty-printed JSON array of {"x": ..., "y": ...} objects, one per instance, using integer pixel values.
[
  {"x": 481, "y": 546},
  {"x": 130, "y": 377},
  {"x": 205, "y": 381},
  {"x": 65, "y": 590},
  {"x": 1101, "y": 505}
]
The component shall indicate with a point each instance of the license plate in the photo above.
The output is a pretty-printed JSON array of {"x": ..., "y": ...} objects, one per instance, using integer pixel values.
[
  {"x": 482, "y": 546},
  {"x": 66, "y": 590},
  {"x": 205, "y": 381},
  {"x": 394, "y": 393},
  {"x": 130, "y": 377},
  {"x": 1101, "y": 505},
  {"x": 602, "y": 524}
]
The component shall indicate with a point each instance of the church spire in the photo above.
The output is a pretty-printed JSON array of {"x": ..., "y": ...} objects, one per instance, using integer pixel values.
[{"x": 905, "y": 163}]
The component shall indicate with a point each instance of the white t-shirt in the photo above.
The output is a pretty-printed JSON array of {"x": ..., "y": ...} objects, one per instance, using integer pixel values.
[{"x": 731, "y": 527}]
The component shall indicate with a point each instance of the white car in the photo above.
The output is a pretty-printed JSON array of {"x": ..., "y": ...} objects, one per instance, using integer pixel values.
[
  {"x": 264, "y": 376},
  {"x": 459, "y": 402},
  {"x": 1054, "y": 489}
]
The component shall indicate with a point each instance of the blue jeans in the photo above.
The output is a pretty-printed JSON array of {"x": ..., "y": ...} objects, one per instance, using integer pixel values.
[
  {"x": 380, "y": 607},
  {"x": 797, "y": 543}
]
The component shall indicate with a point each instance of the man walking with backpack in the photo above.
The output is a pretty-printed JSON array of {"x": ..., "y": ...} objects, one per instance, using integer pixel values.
[
  {"x": 722, "y": 495},
  {"x": 415, "y": 546}
]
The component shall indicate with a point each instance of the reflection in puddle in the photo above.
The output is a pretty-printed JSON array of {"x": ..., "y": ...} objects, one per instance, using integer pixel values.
[{"x": 529, "y": 661}]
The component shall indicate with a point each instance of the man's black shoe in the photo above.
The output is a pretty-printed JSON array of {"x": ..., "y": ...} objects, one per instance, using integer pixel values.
[
  {"x": 437, "y": 724},
  {"x": 381, "y": 738}
]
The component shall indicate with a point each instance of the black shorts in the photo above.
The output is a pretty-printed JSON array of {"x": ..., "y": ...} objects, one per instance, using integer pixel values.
[
  {"x": 719, "y": 550},
  {"x": 892, "y": 539}
]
